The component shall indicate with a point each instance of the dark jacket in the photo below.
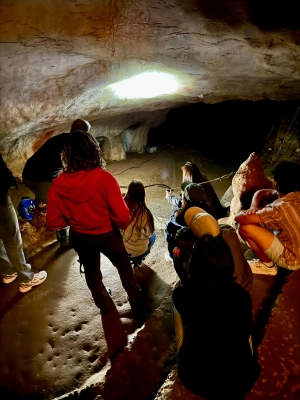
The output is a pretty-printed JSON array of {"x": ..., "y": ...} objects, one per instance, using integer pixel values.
[
  {"x": 215, "y": 360},
  {"x": 45, "y": 164}
]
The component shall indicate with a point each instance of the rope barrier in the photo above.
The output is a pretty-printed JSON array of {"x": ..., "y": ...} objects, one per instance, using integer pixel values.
[{"x": 202, "y": 183}]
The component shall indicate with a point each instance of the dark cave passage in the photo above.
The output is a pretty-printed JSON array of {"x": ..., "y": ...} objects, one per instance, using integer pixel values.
[{"x": 225, "y": 131}]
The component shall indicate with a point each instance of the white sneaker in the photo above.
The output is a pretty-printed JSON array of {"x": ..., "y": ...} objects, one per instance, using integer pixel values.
[
  {"x": 9, "y": 278},
  {"x": 37, "y": 280},
  {"x": 258, "y": 267},
  {"x": 167, "y": 257}
]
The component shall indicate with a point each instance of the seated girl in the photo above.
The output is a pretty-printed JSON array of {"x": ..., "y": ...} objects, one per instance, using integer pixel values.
[
  {"x": 213, "y": 322},
  {"x": 192, "y": 195},
  {"x": 140, "y": 234},
  {"x": 192, "y": 174}
]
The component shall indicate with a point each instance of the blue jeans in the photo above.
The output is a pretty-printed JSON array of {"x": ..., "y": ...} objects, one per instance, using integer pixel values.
[
  {"x": 12, "y": 258},
  {"x": 151, "y": 242}
]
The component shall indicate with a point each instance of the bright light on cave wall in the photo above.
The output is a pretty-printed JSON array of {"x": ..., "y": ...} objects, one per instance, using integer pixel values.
[{"x": 146, "y": 85}]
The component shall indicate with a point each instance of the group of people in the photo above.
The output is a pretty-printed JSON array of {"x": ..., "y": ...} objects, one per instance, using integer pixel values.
[
  {"x": 212, "y": 305},
  {"x": 86, "y": 207}
]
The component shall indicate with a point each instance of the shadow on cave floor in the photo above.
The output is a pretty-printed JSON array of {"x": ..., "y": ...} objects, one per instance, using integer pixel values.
[{"x": 53, "y": 341}]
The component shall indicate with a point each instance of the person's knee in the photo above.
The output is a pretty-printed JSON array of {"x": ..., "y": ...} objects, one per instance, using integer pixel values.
[{"x": 244, "y": 231}]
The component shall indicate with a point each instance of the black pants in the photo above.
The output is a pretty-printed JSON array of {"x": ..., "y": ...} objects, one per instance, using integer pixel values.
[
  {"x": 111, "y": 245},
  {"x": 170, "y": 232}
]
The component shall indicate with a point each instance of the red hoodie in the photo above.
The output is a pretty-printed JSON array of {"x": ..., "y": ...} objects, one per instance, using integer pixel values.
[{"x": 88, "y": 201}]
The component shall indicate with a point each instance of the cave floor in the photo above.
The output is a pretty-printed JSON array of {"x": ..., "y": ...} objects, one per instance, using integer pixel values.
[{"x": 55, "y": 344}]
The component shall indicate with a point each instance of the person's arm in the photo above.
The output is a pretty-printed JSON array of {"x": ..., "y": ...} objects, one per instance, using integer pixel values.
[
  {"x": 263, "y": 197},
  {"x": 177, "y": 318},
  {"x": 248, "y": 218},
  {"x": 242, "y": 271},
  {"x": 178, "y": 328},
  {"x": 175, "y": 201},
  {"x": 120, "y": 214},
  {"x": 260, "y": 199},
  {"x": 54, "y": 217}
]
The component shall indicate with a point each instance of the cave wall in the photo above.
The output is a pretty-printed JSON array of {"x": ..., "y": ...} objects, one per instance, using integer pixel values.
[
  {"x": 59, "y": 60},
  {"x": 283, "y": 140}
]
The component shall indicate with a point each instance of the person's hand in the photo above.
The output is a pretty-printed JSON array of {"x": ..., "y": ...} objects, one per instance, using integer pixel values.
[
  {"x": 251, "y": 210},
  {"x": 177, "y": 251},
  {"x": 168, "y": 193}
]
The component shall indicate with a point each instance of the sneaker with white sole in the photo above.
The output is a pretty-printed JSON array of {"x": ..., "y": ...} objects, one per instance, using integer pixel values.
[
  {"x": 37, "y": 280},
  {"x": 258, "y": 267},
  {"x": 168, "y": 257},
  {"x": 8, "y": 278}
]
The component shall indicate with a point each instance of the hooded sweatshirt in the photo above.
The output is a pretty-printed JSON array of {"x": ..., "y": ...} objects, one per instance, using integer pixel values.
[{"x": 88, "y": 201}]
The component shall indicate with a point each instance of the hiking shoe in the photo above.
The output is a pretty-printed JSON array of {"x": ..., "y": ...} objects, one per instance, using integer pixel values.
[
  {"x": 37, "y": 280},
  {"x": 9, "y": 278},
  {"x": 168, "y": 257},
  {"x": 258, "y": 267}
]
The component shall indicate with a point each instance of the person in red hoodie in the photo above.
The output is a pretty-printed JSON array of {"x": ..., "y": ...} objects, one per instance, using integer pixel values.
[{"x": 88, "y": 199}]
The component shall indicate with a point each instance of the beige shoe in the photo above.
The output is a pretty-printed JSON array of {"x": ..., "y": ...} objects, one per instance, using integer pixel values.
[
  {"x": 37, "y": 280},
  {"x": 258, "y": 267},
  {"x": 9, "y": 278}
]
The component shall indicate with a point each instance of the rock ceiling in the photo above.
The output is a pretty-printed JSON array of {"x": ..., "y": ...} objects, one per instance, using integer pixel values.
[{"x": 60, "y": 60}]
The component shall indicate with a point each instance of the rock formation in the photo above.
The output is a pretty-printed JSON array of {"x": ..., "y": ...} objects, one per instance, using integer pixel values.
[
  {"x": 59, "y": 63},
  {"x": 249, "y": 178}
]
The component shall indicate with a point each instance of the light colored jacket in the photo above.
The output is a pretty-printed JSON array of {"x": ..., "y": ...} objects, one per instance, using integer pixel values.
[{"x": 136, "y": 243}]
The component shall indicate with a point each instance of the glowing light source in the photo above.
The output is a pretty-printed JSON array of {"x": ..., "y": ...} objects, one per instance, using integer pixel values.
[{"x": 148, "y": 84}]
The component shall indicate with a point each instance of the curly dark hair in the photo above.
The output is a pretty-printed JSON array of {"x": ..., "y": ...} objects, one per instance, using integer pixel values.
[
  {"x": 135, "y": 200},
  {"x": 287, "y": 176},
  {"x": 211, "y": 262},
  {"x": 81, "y": 152}
]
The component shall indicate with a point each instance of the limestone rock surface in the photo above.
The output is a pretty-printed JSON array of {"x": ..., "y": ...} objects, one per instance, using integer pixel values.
[
  {"x": 59, "y": 61},
  {"x": 249, "y": 178}
]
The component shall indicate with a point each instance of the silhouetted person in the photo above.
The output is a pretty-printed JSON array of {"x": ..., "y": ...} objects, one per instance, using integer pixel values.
[
  {"x": 213, "y": 323},
  {"x": 45, "y": 165}
]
